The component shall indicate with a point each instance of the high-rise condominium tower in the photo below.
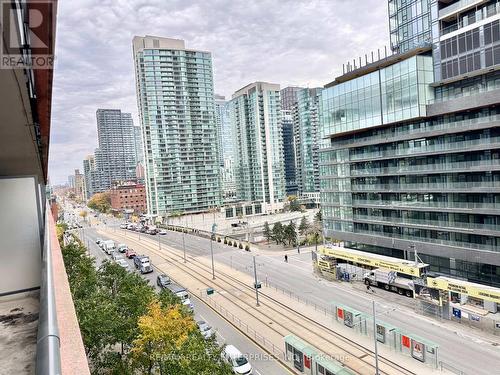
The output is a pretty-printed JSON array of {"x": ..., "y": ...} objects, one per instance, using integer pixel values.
[
  {"x": 411, "y": 155},
  {"x": 256, "y": 118},
  {"x": 115, "y": 156},
  {"x": 175, "y": 97}
]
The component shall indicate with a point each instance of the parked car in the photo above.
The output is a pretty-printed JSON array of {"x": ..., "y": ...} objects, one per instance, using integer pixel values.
[
  {"x": 162, "y": 232},
  {"x": 151, "y": 231},
  {"x": 143, "y": 229},
  {"x": 123, "y": 263},
  {"x": 98, "y": 241},
  {"x": 236, "y": 360},
  {"x": 122, "y": 248},
  {"x": 130, "y": 254},
  {"x": 163, "y": 280},
  {"x": 116, "y": 256},
  {"x": 205, "y": 329},
  {"x": 131, "y": 226},
  {"x": 123, "y": 226}
]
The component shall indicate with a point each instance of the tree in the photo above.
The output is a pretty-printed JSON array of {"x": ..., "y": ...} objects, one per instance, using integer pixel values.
[
  {"x": 277, "y": 232},
  {"x": 100, "y": 202},
  {"x": 267, "y": 232},
  {"x": 162, "y": 332},
  {"x": 83, "y": 214},
  {"x": 318, "y": 218},
  {"x": 315, "y": 231},
  {"x": 290, "y": 234},
  {"x": 304, "y": 225}
]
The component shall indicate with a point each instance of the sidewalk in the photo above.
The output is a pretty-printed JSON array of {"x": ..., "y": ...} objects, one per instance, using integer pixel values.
[{"x": 271, "y": 319}]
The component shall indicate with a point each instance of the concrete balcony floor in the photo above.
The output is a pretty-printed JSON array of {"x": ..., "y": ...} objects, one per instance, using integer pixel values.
[{"x": 18, "y": 332}]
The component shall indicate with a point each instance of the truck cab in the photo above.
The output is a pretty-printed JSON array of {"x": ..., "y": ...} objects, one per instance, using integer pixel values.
[{"x": 143, "y": 264}]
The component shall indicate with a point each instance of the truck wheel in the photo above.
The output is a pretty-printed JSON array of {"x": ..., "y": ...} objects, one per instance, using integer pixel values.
[
  {"x": 386, "y": 287},
  {"x": 400, "y": 292},
  {"x": 367, "y": 282},
  {"x": 409, "y": 293}
]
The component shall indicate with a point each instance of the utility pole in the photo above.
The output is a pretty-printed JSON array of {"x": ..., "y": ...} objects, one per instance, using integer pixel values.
[
  {"x": 212, "y": 248},
  {"x": 159, "y": 243},
  {"x": 256, "y": 286},
  {"x": 375, "y": 339},
  {"x": 184, "y": 244}
]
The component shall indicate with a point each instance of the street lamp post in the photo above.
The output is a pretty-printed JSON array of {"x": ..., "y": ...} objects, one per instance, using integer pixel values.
[
  {"x": 159, "y": 243},
  {"x": 212, "y": 249},
  {"x": 375, "y": 339},
  {"x": 256, "y": 286},
  {"x": 184, "y": 244}
]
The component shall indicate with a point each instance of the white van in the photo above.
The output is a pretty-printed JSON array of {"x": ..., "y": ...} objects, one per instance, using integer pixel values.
[
  {"x": 109, "y": 246},
  {"x": 236, "y": 360}
]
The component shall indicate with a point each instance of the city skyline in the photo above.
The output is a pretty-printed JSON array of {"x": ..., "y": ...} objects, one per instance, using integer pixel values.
[{"x": 310, "y": 59}]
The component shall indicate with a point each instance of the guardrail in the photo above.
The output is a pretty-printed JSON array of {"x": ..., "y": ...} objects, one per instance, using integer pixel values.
[
  {"x": 448, "y": 367},
  {"x": 48, "y": 356},
  {"x": 252, "y": 333}
]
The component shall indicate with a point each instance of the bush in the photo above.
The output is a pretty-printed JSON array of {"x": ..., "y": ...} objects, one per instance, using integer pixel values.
[
  {"x": 225, "y": 241},
  {"x": 230, "y": 243},
  {"x": 240, "y": 246},
  {"x": 247, "y": 248},
  {"x": 235, "y": 244}
]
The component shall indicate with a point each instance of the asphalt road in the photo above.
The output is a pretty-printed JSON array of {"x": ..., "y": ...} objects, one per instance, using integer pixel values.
[
  {"x": 463, "y": 348},
  {"x": 225, "y": 332}
]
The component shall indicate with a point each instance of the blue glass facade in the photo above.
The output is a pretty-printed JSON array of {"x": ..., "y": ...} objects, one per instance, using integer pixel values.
[{"x": 410, "y": 150}]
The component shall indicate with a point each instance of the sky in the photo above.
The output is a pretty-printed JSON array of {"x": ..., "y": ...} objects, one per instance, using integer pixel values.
[{"x": 290, "y": 42}]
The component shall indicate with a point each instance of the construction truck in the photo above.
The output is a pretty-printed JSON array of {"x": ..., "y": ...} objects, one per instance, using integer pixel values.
[{"x": 389, "y": 280}]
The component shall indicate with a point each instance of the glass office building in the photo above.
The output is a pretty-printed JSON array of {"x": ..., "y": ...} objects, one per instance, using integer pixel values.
[
  {"x": 409, "y": 24},
  {"x": 256, "y": 118},
  {"x": 176, "y": 107},
  {"x": 410, "y": 155}
]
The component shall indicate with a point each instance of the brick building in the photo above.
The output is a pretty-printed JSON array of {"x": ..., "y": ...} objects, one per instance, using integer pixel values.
[{"x": 129, "y": 196}]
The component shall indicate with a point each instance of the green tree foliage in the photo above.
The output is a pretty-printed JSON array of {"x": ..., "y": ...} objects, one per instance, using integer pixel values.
[
  {"x": 304, "y": 225},
  {"x": 290, "y": 234},
  {"x": 100, "y": 202},
  {"x": 116, "y": 309},
  {"x": 267, "y": 232},
  {"x": 278, "y": 232},
  {"x": 318, "y": 218}
]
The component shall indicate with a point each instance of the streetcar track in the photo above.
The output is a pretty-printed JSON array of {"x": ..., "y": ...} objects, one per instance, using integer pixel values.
[{"x": 354, "y": 345}]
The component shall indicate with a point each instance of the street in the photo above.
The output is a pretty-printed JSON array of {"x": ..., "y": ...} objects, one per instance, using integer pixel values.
[
  {"x": 462, "y": 348},
  {"x": 225, "y": 332}
]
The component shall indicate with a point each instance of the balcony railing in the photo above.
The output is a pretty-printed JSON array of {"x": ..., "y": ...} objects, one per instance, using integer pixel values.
[
  {"x": 48, "y": 356},
  {"x": 445, "y": 224},
  {"x": 480, "y": 14},
  {"x": 426, "y": 204},
  {"x": 453, "y": 8}
]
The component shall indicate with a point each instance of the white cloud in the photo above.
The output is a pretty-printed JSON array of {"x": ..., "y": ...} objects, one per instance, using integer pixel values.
[{"x": 299, "y": 42}]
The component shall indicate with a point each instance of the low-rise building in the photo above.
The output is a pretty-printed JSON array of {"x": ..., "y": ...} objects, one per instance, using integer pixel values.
[{"x": 128, "y": 197}]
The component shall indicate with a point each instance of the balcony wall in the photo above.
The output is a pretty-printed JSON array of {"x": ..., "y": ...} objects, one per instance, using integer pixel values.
[{"x": 73, "y": 358}]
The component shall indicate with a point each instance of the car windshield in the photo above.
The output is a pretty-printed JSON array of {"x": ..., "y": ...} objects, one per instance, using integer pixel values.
[
  {"x": 240, "y": 361},
  {"x": 163, "y": 278}
]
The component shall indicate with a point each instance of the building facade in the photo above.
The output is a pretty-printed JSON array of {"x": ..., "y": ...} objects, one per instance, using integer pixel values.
[
  {"x": 89, "y": 173},
  {"x": 116, "y": 154},
  {"x": 410, "y": 155},
  {"x": 256, "y": 119},
  {"x": 307, "y": 138},
  {"x": 289, "y": 154},
  {"x": 129, "y": 198},
  {"x": 139, "y": 148},
  {"x": 226, "y": 148},
  {"x": 80, "y": 190},
  {"x": 177, "y": 111},
  {"x": 409, "y": 24}
]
